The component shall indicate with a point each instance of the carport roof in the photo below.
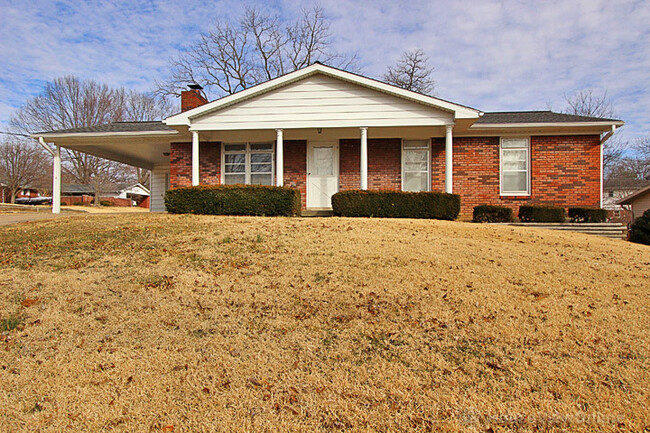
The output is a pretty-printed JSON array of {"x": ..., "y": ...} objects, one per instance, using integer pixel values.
[{"x": 149, "y": 126}]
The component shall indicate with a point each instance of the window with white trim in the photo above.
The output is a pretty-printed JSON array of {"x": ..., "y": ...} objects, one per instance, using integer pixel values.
[
  {"x": 416, "y": 165},
  {"x": 515, "y": 166},
  {"x": 248, "y": 163}
]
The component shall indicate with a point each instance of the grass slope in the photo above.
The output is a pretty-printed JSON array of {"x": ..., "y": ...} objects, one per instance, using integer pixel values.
[{"x": 146, "y": 323}]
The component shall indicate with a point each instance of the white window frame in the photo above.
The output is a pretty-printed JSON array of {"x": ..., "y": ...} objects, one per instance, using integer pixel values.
[
  {"x": 426, "y": 147},
  {"x": 247, "y": 161},
  {"x": 528, "y": 167}
]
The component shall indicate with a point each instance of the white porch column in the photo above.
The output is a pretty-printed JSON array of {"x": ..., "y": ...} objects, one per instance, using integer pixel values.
[
  {"x": 195, "y": 157},
  {"x": 279, "y": 157},
  {"x": 364, "y": 158},
  {"x": 449, "y": 161},
  {"x": 56, "y": 181}
]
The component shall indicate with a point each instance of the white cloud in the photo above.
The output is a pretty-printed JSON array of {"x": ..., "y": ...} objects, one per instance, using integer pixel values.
[{"x": 493, "y": 55}]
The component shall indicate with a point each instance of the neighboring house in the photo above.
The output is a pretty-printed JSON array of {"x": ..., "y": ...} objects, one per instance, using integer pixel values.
[
  {"x": 616, "y": 189},
  {"x": 137, "y": 193},
  {"x": 639, "y": 201},
  {"x": 82, "y": 194},
  {"x": 323, "y": 130},
  {"x": 25, "y": 192},
  {"x": 133, "y": 191}
]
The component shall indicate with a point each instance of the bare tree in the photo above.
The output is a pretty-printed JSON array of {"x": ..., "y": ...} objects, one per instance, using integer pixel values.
[
  {"x": 21, "y": 165},
  {"x": 592, "y": 104},
  {"x": 69, "y": 102},
  {"x": 588, "y": 103},
  {"x": 259, "y": 47},
  {"x": 412, "y": 72}
]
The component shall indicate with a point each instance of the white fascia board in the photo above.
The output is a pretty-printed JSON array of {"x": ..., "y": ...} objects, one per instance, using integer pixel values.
[
  {"x": 138, "y": 134},
  {"x": 460, "y": 112},
  {"x": 544, "y": 125}
]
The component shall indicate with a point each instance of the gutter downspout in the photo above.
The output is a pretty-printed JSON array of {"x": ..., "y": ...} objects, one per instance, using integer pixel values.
[{"x": 602, "y": 162}]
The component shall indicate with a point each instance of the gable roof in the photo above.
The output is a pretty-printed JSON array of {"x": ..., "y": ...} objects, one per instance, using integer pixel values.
[
  {"x": 459, "y": 111},
  {"x": 630, "y": 198}
]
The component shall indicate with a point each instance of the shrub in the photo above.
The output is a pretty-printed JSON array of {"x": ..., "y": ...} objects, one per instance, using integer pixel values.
[
  {"x": 396, "y": 204},
  {"x": 640, "y": 230},
  {"x": 541, "y": 214},
  {"x": 106, "y": 203},
  {"x": 234, "y": 200},
  {"x": 587, "y": 215},
  {"x": 492, "y": 214}
]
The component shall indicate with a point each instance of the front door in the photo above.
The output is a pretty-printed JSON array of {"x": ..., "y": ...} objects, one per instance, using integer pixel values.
[{"x": 322, "y": 174}]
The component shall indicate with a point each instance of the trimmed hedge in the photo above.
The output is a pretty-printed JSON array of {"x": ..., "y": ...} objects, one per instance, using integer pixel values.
[
  {"x": 640, "y": 230},
  {"x": 492, "y": 214},
  {"x": 587, "y": 215},
  {"x": 234, "y": 200},
  {"x": 541, "y": 214},
  {"x": 396, "y": 204}
]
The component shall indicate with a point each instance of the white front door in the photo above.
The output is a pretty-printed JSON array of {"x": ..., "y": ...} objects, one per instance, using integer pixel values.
[{"x": 322, "y": 174}]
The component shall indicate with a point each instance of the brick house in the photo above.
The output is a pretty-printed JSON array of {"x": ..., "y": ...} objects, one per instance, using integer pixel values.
[{"x": 323, "y": 130}]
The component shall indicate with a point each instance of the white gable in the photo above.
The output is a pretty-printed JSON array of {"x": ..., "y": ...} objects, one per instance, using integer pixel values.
[
  {"x": 322, "y": 96},
  {"x": 322, "y": 101}
]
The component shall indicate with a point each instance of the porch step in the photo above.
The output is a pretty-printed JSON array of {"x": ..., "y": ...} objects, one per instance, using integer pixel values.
[
  {"x": 609, "y": 230},
  {"x": 317, "y": 213}
]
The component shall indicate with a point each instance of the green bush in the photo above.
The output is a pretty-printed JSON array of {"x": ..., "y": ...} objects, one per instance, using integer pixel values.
[
  {"x": 396, "y": 204},
  {"x": 541, "y": 214},
  {"x": 234, "y": 200},
  {"x": 587, "y": 215},
  {"x": 640, "y": 230},
  {"x": 105, "y": 203},
  {"x": 492, "y": 214}
]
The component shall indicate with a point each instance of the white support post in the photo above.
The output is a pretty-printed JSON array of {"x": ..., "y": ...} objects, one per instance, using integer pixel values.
[
  {"x": 364, "y": 158},
  {"x": 56, "y": 181},
  {"x": 279, "y": 157},
  {"x": 195, "y": 157},
  {"x": 449, "y": 161}
]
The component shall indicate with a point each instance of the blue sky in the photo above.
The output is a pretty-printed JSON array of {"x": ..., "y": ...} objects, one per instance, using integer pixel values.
[{"x": 492, "y": 55}]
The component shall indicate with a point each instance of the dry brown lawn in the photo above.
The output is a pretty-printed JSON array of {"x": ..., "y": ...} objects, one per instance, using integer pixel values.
[{"x": 139, "y": 323}]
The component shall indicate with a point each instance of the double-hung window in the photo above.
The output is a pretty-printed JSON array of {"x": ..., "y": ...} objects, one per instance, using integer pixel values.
[
  {"x": 416, "y": 165},
  {"x": 515, "y": 166},
  {"x": 248, "y": 163}
]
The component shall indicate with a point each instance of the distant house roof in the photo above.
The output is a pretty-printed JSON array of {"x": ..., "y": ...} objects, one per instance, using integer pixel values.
[
  {"x": 76, "y": 188},
  {"x": 133, "y": 186},
  {"x": 632, "y": 197},
  {"x": 149, "y": 126},
  {"x": 625, "y": 183},
  {"x": 537, "y": 117}
]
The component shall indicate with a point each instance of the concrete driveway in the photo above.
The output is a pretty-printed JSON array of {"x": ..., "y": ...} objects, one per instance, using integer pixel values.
[{"x": 21, "y": 217}]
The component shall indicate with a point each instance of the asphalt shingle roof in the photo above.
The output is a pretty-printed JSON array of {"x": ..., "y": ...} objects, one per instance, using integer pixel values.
[
  {"x": 512, "y": 117},
  {"x": 536, "y": 117},
  {"x": 116, "y": 127}
]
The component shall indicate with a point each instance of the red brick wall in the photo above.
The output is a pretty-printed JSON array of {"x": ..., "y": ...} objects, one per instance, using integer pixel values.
[
  {"x": 384, "y": 163},
  {"x": 180, "y": 164},
  {"x": 349, "y": 164},
  {"x": 295, "y": 166},
  {"x": 87, "y": 200},
  {"x": 565, "y": 171}
]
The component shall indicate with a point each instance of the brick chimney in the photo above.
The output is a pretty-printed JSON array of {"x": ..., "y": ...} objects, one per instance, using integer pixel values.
[{"x": 192, "y": 98}]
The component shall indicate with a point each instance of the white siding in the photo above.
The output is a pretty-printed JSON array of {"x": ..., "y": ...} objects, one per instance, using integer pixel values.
[
  {"x": 159, "y": 185},
  {"x": 320, "y": 102}
]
